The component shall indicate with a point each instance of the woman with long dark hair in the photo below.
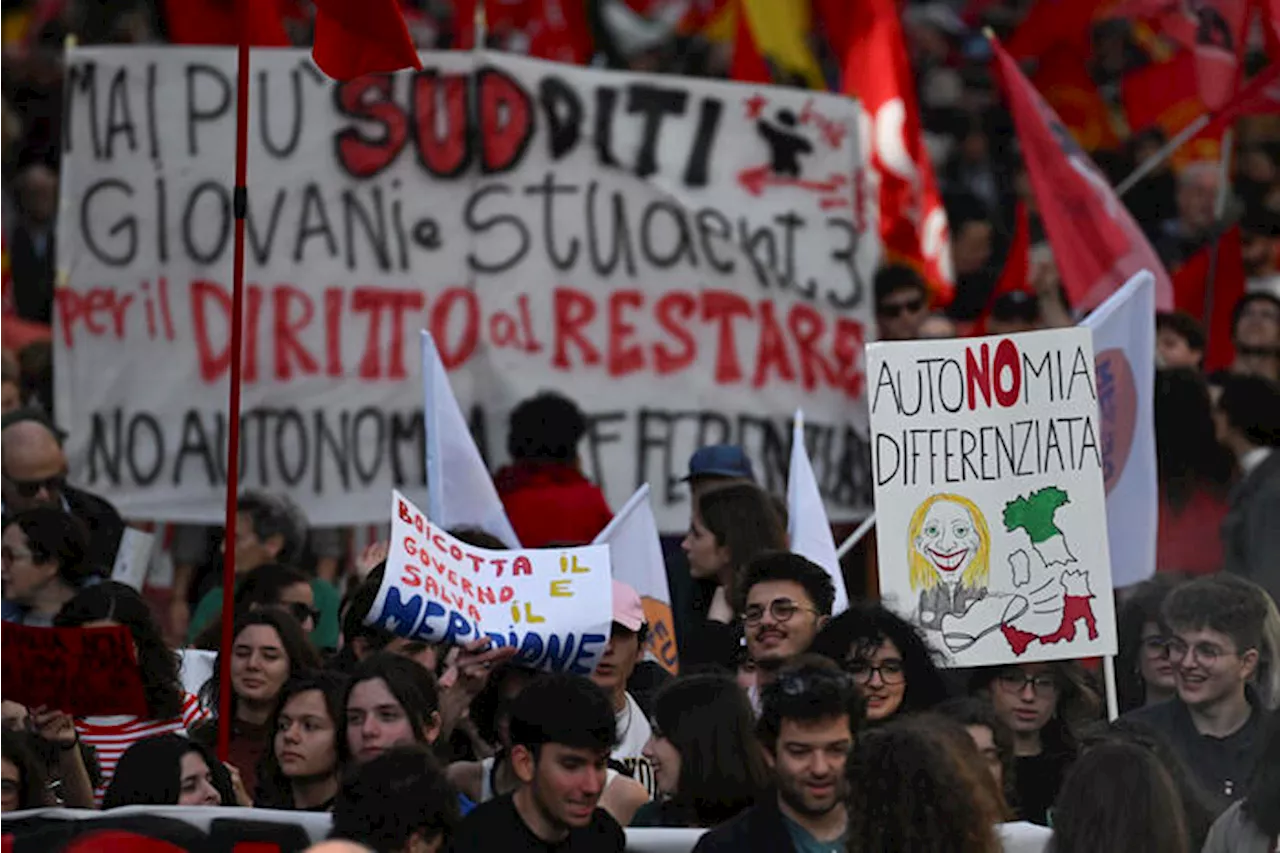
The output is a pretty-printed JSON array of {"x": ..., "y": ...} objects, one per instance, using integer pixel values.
[
  {"x": 1194, "y": 472},
  {"x": 730, "y": 526},
  {"x": 704, "y": 753},
  {"x": 1144, "y": 673},
  {"x": 303, "y": 768},
  {"x": 913, "y": 788},
  {"x": 1043, "y": 704},
  {"x": 991, "y": 738},
  {"x": 1253, "y": 824},
  {"x": 268, "y": 649},
  {"x": 1118, "y": 797},
  {"x": 22, "y": 777},
  {"x": 169, "y": 708},
  {"x": 169, "y": 770},
  {"x": 887, "y": 657}
]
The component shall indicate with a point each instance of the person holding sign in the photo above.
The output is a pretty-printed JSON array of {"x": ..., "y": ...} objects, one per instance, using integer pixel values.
[
  {"x": 45, "y": 564},
  {"x": 170, "y": 709},
  {"x": 562, "y": 730}
]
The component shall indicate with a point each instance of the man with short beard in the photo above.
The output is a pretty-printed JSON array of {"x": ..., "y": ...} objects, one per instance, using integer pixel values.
[
  {"x": 786, "y": 599},
  {"x": 811, "y": 713}
]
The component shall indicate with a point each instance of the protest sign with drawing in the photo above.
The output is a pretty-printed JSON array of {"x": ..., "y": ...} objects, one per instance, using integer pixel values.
[
  {"x": 553, "y": 604},
  {"x": 989, "y": 495},
  {"x": 83, "y": 671}
]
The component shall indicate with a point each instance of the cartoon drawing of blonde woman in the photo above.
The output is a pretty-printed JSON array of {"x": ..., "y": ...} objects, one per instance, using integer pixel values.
[
  {"x": 949, "y": 556},
  {"x": 949, "y": 551}
]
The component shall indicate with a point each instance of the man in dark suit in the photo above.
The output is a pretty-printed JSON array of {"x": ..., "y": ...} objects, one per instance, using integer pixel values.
[
  {"x": 1246, "y": 417},
  {"x": 34, "y": 470},
  {"x": 810, "y": 714}
]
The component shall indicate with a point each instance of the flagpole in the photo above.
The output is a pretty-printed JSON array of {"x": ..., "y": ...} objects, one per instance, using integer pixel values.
[
  {"x": 856, "y": 536},
  {"x": 239, "y": 203},
  {"x": 1153, "y": 162}
]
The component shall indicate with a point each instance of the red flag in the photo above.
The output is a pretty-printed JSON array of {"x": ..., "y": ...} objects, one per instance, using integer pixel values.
[
  {"x": 913, "y": 223},
  {"x": 1214, "y": 30},
  {"x": 358, "y": 37},
  {"x": 1189, "y": 284},
  {"x": 1050, "y": 23},
  {"x": 1261, "y": 95},
  {"x": 1063, "y": 79},
  {"x": 214, "y": 22},
  {"x": 1166, "y": 95},
  {"x": 1096, "y": 243},
  {"x": 1016, "y": 275},
  {"x": 747, "y": 66}
]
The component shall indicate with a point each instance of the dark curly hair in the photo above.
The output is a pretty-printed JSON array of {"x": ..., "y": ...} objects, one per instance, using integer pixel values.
[
  {"x": 1078, "y": 703},
  {"x": 546, "y": 427},
  {"x": 856, "y": 634},
  {"x": 1142, "y": 606}
]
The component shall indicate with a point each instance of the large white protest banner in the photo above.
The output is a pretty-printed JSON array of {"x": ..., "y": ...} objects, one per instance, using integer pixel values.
[
  {"x": 553, "y": 604},
  {"x": 686, "y": 258},
  {"x": 1124, "y": 342},
  {"x": 990, "y": 504}
]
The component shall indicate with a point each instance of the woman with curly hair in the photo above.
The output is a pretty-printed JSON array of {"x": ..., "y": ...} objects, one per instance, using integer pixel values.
[
  {"x": 887, "y": 657},
  {"x": 911, "y": 787}
]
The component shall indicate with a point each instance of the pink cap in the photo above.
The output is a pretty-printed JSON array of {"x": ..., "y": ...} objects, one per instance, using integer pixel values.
[{"x": 627, "y": 609}]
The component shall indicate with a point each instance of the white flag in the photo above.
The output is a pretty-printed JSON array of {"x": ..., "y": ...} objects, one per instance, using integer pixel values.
[
  {"x": 1124, "y": 343},
  {"x": 807, "y": 524},
  {"x": 635, "y": 554},
  {"x": 460, "y": 491}
]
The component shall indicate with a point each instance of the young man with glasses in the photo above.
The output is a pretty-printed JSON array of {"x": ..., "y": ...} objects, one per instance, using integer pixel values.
[
  {"x": 1215, "y": 626},
  {"x": 786, "y": 599},
  {"x": 901, "y": 303},
  {"x": 811, "y": 713}
]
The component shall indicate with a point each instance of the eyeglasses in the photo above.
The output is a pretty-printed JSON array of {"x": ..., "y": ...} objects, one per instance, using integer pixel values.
[
  {"x": 1206, "y": 653},
  {"x": 1156, "y": 646},
  {"x": 897, "y": 309},
  {"x": 890, "y": 672},
  {"x": 301, "y": 611},
  {"x": 781, "y": 609},
  {"x": 31, "y": 488},
  {"x": 12, "y": 555},
  {"x": 1016, "y": 682}
]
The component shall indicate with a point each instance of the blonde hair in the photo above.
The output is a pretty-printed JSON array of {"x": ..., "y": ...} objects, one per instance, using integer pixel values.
[{"x": 923, "y": 575}]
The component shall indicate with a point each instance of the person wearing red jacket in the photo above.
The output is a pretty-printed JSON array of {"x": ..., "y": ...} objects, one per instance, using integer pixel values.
[{"x": 547, "y": 498}]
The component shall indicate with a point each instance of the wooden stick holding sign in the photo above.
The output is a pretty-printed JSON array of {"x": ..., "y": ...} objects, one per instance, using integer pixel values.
[
  {"x": 552, "y": 604},
  {"x": 82, "y": 671}
]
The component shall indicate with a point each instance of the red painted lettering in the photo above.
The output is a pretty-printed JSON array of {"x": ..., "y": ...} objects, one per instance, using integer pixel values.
[
  {"x": 448, "y": 154},
  {"x": 771, "y": 354},
  {"x": 287, "y": 345},
  {"x": 625, "y": 356},
  {"x": 333, "y": 331},
  {"x": 722, "y": 306},
  {"x": 369, "y": 99},
  {"x": 674, "y": 310},
  {"x": 1007, "y": 357},
  {"x": 442, "y": 319},
  {"x": 807, "y": 327},
  {"x": 978, "y": 376},
  {"x": 505, "y": 120},
  {"x": 573, "y": 310}
]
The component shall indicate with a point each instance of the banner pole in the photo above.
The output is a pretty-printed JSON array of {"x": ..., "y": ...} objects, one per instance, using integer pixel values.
[
  {"x": 1149, "y": 165},
  {"x": 856, "y": 536},
  {"x": 239, "y": 204},
  {"x": 1109, "y": 679}
]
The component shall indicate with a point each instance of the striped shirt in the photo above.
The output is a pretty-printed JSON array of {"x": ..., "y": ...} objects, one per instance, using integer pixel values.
[{"x": 111, "y": 736}]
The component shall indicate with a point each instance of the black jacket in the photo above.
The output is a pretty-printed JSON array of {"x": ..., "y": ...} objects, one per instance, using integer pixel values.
[{"x": 759, "y": 828}]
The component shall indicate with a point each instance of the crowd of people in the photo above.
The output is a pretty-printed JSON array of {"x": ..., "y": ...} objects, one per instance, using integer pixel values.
[{"x": 789, "y": 726}]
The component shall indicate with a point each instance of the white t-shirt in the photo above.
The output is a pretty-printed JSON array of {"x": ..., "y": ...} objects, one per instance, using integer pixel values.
[{"x": 634, "y": 732}]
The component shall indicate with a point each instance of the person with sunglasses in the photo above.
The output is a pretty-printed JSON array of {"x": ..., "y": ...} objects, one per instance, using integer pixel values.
[
  {"x": 1043, "y": 703},
  {"x": 887, "y": 656},
  {"x": 44, "y": 564},
  {"x": 1215, "y": 633},
  {"x": 271, "y": 586},
  {"x": 901, "y": 303},
  {"x": 810, "y": 715},
  {"x": 785, "y": 600},
  {"x": 33, "y": 472}
]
